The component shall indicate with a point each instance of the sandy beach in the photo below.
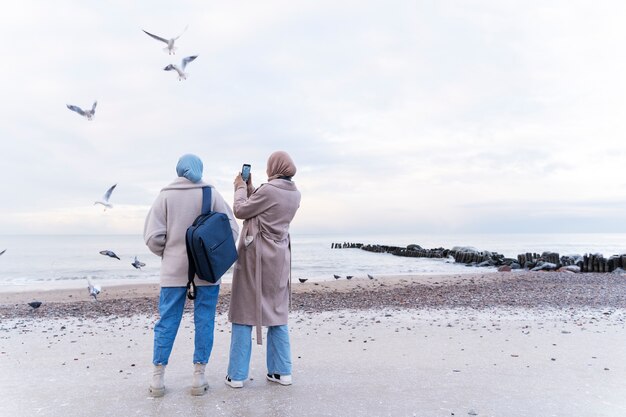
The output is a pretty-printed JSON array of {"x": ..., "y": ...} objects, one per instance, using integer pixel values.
[{"x": 527, "y": 344}]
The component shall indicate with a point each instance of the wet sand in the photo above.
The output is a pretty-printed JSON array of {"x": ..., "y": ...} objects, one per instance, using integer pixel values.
[{"x": 393, "y": 346}]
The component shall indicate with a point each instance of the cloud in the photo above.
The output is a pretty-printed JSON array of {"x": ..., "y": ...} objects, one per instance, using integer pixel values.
[{"x": 406, "y": 116}]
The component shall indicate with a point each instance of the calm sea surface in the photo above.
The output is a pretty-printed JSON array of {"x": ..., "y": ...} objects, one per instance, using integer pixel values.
[{"x": 66, "y": 261}]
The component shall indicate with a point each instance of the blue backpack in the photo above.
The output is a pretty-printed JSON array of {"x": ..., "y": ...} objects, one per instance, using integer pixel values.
[{"x": 210, "y": 246}]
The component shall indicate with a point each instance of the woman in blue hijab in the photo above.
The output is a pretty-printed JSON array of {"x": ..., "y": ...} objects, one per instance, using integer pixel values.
[{"x": 174, "y": 210}]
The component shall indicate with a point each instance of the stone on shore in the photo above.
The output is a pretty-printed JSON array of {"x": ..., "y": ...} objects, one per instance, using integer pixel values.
[
  {"x": 465, "y": 249},
  {"x": 544, "y": 266},
  {"x": 569, "y": 268}
]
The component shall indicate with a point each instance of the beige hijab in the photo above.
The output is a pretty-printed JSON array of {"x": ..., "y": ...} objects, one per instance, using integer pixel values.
[{"x": 280, "y": 164}]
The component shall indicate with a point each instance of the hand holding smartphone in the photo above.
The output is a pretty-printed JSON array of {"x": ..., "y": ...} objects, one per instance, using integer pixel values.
[{"x": 245, "y": 172}]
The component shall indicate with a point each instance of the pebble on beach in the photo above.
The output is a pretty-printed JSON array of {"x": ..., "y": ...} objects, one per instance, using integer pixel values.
[{"x": 527, "y": 290}]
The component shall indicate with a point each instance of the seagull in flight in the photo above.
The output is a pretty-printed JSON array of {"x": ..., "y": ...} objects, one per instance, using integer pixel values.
[
  {"x": 170, "y": 48},
  {"x": 94, "y": 290},
  {"x": 181, "y": 72},
  {"x": 303, "y": 280},
  {"x": 138, "y": 264},
  {"x": 105, "y": 198},
  {"x": 89, "y": 114},
  {"x": 109, "y": 253},
  {"x": 3, "y": 252}
]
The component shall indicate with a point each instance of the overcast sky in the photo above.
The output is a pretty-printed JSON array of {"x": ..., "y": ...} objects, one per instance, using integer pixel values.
[{"x": 402, "y": 116}]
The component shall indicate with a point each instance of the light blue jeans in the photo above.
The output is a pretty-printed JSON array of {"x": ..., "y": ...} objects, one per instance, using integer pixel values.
[
  {"x": 171, "y": 305},
  {"x": 278, "y": 351}
]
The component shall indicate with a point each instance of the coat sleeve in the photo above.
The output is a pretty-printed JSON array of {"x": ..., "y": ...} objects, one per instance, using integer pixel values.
[
  {"x": 221, "y": 206},
  {"x": 247, "y": 207},
  {"x": 155, "y": 228}
]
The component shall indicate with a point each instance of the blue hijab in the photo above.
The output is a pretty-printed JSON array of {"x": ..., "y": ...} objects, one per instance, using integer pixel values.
[{"x": 190, "y": 167}]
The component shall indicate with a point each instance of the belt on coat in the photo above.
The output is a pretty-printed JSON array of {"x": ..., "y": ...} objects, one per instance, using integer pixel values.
[{"x": 258, "y": 275}]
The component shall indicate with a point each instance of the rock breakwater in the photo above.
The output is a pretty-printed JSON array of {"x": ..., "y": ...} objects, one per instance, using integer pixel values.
[{"x": 470, "y": 256}]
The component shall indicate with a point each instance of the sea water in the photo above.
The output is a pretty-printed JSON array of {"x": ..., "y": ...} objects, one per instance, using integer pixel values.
[{"x": 66, "y": 261}]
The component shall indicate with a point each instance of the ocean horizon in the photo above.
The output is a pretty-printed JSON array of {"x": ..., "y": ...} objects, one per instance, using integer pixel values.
[{"x": 65, "y": 261}]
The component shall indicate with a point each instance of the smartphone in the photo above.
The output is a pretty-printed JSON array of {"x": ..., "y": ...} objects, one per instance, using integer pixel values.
[{"x": 245, "y": 172}]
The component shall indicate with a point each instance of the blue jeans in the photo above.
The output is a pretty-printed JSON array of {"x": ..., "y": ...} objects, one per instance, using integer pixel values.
[
  {"x": 171, "y": 305},
  {"x": 278, "y": 351}
]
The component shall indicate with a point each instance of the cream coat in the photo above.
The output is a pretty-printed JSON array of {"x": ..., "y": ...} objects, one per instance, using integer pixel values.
[
  {"x": 261, "y": 287},
  {"x": 174, "y": 210}
]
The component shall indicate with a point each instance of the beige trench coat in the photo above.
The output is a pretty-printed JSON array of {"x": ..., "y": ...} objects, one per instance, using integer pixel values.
[{"x": 261, "y": 288}]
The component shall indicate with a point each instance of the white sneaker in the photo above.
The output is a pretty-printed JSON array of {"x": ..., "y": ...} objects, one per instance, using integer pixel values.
[
  {"x": 233, "y": 384},
  {"x": 280, "y": 379}
]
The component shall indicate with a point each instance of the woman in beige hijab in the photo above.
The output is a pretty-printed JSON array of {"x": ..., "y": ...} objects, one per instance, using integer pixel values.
[{"x": 261, "y": 288}]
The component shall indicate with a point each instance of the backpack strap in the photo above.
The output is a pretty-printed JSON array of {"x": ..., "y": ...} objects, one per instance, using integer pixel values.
[
  {"x": 191, "y": 271},
  {"x": 206, "y": 200}
]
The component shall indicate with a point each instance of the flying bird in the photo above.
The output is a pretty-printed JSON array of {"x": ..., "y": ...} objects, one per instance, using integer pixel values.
[
  {"x": 349, "y": 276},
  {"x": 94, "y": 290},
  {"x": 105, "y": 198},
  {"x": 35, "y": 304},
  {"x": 109, "y": 253},
  {"x": 137, "y": 264},
  {"x": 337, "y": 276},
  {"x": 3, "y": 252},
  {"x": 181, "y": 72},
  {"x": 89, "y": 114},
  {"x": 369, "y": 276},
  {"x": 170, "y": 48},
  {"x": 303, "y": 280}
]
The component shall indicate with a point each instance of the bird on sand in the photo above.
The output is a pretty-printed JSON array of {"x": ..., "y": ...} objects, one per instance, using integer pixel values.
[
  {"x": 349, "y": 276},
  {"x": 89, "y": 114},
  {"x": 109, "y": 253},
  {"x": 181, "y": 72},
  {"x": 137, "y": 264},
  {"x": 94, "y": 290},
  {"x": 369, "y": 276},
  {"x": 35, "y": 304},
  {"x": 170, "y": 48},
  {"x": 105, "y": 198},
  {"x": 337, "y": 276},
  {"x": 3, "y": 252},
  {"x": 303, "y": 280}
]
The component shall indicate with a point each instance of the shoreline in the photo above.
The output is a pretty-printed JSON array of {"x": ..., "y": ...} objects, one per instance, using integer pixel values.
[
  {"x": 143, "y": 289},
  {"x": 475, "y": 291}
]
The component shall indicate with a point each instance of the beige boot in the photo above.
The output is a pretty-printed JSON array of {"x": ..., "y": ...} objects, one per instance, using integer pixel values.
[
  {"x": 157, "y": 387},
  {"x": 200, "y": 384}
]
